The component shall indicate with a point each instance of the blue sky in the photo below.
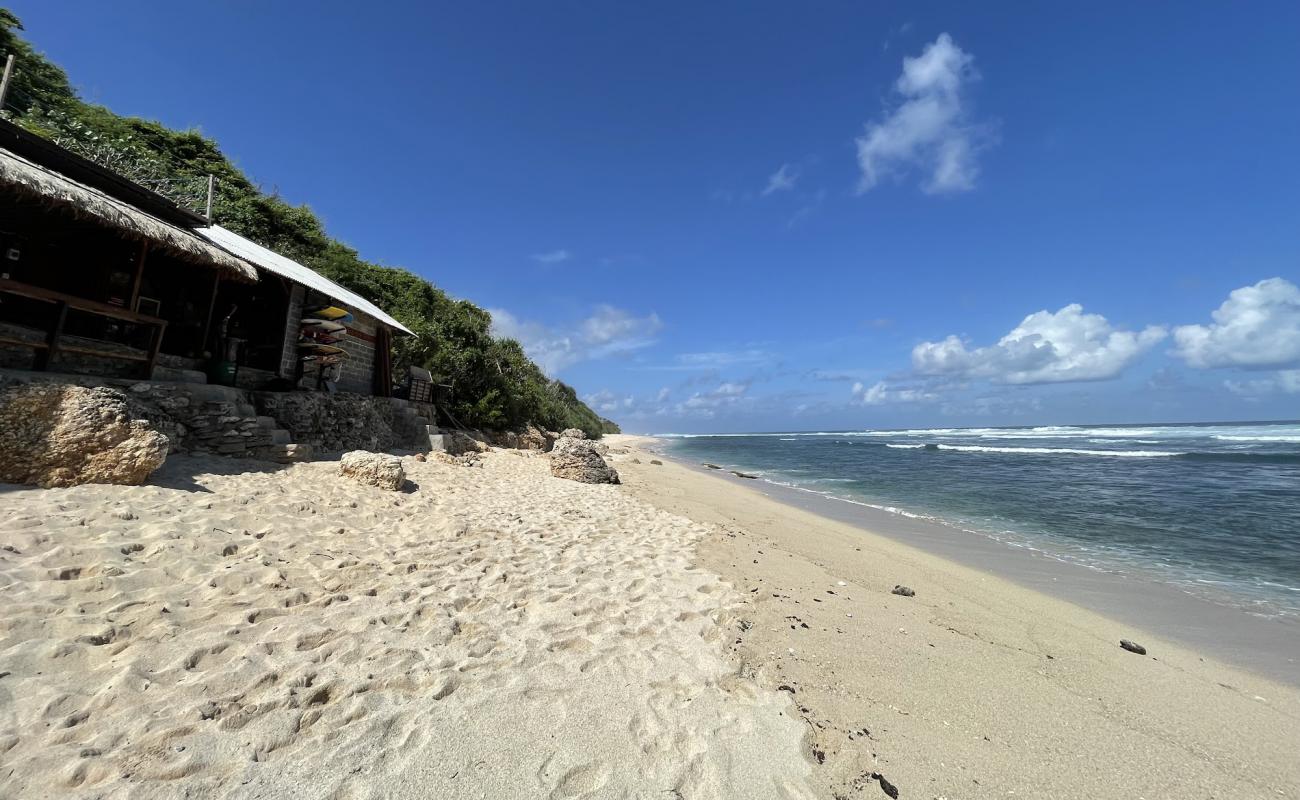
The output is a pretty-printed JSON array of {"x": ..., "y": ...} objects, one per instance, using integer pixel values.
[{"x": 770, "y": 216}]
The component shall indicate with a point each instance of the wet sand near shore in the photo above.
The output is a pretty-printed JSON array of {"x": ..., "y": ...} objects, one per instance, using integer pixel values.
[{"x": 976, "y": 686}]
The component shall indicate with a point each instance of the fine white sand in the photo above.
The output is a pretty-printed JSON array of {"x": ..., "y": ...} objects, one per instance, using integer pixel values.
[
  {"x": 976, "y": 687},
  {"x": 493, "y": 632}
]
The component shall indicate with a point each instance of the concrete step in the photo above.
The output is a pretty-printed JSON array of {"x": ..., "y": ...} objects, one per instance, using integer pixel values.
[{"x": 284, "y": 453}]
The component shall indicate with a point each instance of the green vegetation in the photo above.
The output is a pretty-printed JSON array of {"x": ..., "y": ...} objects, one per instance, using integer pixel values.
[{"x": 494, "y": 384}]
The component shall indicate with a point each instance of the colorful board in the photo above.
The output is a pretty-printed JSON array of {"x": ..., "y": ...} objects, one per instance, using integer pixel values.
[
  {"x": 329, "y": 326},
  {"x": 321, "y": 349},
  {"x": 333, "y": 313}
]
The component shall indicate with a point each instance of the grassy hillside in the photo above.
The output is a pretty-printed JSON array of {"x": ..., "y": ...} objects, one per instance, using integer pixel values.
[{"x": 495, "y": 384}]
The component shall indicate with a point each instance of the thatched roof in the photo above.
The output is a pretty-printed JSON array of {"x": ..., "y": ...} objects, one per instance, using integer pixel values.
[{"x": 19, "y": 175}]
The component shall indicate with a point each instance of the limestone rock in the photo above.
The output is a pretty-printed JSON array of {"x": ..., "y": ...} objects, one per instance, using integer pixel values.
[
  {"x": 572, "y": 433},
  {"x": 903, "y": 591},
  {"x": 531, "y": 438},
  {"x": 373, "y": 469},
  {"x": 577, "y": 460},
  {"x": 62, "y": 435},
  {"x": 1132, "y": 647},
  {"x": 459, "y": 443}
]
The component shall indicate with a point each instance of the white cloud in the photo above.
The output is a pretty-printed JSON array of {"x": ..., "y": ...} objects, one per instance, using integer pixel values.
[
  {"x": 783, "y": 180},
  {"x": 1045, "y": 347},
  {"x": 553, "y": 257},
  {"x": 930, "y": 130},
  {"x": 609, "y": 331},
  {"x": 882, "y": 393},
  {"x": 1257, "y": 327},
  {"x": 706, "y": 404},
  {"x": 716, "y": 360},
  {"x": 663, "y": 394},
  {"x": 1285, "y": 381},
  {"x": 606, "y": 402}
]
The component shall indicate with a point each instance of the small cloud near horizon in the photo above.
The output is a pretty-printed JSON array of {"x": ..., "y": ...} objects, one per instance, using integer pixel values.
[
  {"x": 609, "y": 331},
  {"x": 783, "y": 180},
  {"x": 553, "y": 257}
]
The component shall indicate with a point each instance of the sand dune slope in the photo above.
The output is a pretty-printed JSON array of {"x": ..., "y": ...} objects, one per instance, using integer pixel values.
[{"x": 492, "y": 632}]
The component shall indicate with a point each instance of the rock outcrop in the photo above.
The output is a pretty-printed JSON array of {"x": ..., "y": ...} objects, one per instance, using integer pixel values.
[
  {"x": 572, "y": 433},
  {"x": 459, "y": 443},
  {"x": 62, "y": 435},
  {"x": 531, "y": 438},
  {"x": 373, "y": 469},
  {"x": 576, "y": 459}
]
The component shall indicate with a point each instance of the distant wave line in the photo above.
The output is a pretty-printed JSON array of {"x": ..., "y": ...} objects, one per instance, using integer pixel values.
[{"x": 978, "y": 448}]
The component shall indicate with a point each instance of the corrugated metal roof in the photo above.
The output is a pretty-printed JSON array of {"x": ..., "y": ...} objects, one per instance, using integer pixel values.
[{"x": 274, "y": 262}]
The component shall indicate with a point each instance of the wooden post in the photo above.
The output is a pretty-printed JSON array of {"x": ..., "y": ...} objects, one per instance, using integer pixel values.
[
  {"x": 211, "y": 185},
  {"x": 212, "y": 304},
  {"x": 4, "y": 82},
  {"x": 44, "y": 357},
  {"x": 154, "y": 346},
  {"x": 139, "y": 276}
]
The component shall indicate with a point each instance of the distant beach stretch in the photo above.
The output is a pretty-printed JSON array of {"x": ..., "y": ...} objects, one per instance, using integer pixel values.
[{"x": 1199, "y": 506}]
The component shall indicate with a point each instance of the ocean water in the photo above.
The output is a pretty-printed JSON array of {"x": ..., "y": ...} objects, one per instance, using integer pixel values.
[{"x": 1211, "y": 508}]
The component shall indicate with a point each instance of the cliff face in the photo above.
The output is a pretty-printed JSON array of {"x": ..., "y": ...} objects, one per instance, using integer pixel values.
[{"x": 496, "y": 385}]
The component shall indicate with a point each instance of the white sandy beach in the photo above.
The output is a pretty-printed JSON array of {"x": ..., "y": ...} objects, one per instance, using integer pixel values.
[
  {"x": 493, "y": 633},
  {"x": 975, "y": 687}
]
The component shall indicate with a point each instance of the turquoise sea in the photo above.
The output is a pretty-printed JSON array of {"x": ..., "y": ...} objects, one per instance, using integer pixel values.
[{"x": 1211, "y": 508}]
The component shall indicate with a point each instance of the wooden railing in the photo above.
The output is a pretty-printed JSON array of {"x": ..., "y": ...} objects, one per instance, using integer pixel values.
[{"x": 53, "y": 344}]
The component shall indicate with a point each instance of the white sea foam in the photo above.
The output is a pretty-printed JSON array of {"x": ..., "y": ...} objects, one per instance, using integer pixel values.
[
  {"x": 978, "y": 448},
  {"x": 1287, "y": 439}
]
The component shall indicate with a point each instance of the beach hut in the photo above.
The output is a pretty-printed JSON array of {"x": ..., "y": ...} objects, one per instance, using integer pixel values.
[{"x": 101, "y": 276}]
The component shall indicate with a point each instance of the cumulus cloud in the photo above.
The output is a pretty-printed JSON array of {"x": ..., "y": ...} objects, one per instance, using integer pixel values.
[
  {"x": 1257, "y": 327},
  {"x": 606, "y": 402},
  {"x": 608, "y": 331},
  {"x": 1286, "y": 381},
  {"x": 706, "y": 404},
  {"x": 930, "y": 130},
  {"x": 883, "y": 393},
  {"x": 1045, "y": 347},
  {"x": 783, "y": 180},
  {"x": 553, "y": 257}
]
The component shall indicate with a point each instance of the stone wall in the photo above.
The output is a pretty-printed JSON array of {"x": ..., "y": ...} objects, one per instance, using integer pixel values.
[
  {"x": 195, "y": 418},
  {"x": 289, "y": 357},
  {"x": 205, "y": 418},
  {"x": 335, "y": 422},
  {"x": 359, "y": 367}
]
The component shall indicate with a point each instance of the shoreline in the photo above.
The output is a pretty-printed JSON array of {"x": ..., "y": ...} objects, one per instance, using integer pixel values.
[
  {"x": 978, "y": 686},
  {"x": 1269, "y": 646}
]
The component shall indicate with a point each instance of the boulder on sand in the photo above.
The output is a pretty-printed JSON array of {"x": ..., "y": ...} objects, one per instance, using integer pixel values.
[
  {"x": 459, "y": 443},
  {"x": 373, "y": 469},
  {"x": 576, "y": 459},
  {"x": 62, "y": 435},
  {"x": 572, "y": 433},
  {"x": 533, "y": 439}
]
